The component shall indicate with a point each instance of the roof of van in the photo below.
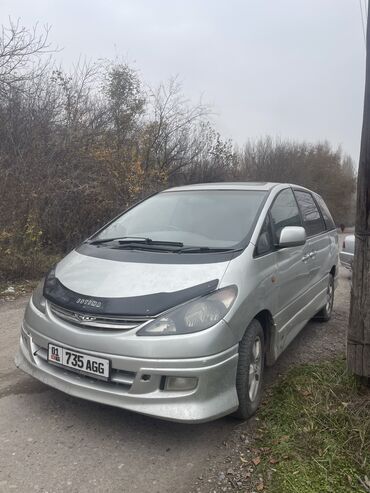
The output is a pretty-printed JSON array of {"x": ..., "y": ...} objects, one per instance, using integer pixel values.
[{"x": 241, "y": 185}]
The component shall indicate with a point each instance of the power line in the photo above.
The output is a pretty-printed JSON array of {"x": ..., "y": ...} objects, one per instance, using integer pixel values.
[{"x": 362, "y": 21}]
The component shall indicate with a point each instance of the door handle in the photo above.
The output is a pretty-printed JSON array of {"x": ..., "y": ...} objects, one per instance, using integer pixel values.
[
  {"x": 312, "y": 254},
  {"x": 305, "y": 258}
]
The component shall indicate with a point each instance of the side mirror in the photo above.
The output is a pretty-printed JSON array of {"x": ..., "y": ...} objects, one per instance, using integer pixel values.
[{"x": 292, "y": 236}]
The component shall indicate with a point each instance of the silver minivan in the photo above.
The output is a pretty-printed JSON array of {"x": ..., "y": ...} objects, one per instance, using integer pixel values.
[{"x": 174, "y": 308}]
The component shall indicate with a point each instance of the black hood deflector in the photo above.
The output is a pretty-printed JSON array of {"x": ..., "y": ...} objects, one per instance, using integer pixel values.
[{"x": 147, "y": 305}]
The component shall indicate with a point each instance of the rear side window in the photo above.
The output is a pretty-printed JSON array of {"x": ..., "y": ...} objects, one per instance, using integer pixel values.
[
  {"x": 325, "y": 213},
  {"x": 284, "y": 212},
  {"x": 313, "y": 222}
]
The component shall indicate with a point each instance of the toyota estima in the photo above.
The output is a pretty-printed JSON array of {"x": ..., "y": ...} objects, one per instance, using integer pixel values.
[{"x": 174, "y": 308}]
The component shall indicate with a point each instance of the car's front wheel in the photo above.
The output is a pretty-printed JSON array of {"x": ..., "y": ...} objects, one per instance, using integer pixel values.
[{"x": 249, "y": 375}]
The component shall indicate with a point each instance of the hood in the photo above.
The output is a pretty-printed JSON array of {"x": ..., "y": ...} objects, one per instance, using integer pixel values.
[{"x": 86, "y": 283}]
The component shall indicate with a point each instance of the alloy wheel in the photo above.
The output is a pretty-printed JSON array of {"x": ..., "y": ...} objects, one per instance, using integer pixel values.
[
  {"x": 329, "y": 298},
  {"x": 255, "y": 369}
]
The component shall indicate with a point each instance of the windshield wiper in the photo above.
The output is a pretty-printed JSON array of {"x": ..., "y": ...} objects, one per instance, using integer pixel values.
[
  {"x": 148, "y": 243},
  {"x": 203, "y": 249},
  {"x": 137, "y": 240}
]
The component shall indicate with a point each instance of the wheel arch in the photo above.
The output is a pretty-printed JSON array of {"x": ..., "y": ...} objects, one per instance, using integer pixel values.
[{"x": 266, "y": 320}]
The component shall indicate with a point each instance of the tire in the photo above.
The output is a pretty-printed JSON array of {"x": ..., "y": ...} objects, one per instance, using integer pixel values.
[
  {"x": 325, "y": 313},
  {"x": 249, "y": 390}
]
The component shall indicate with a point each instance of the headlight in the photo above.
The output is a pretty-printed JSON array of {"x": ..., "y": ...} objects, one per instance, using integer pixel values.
[
  {"x": 38, "y": 298},
  {"x": 194, "y": 316}
]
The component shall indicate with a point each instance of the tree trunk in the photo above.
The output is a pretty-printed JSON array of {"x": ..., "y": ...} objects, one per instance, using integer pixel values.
[{"x": 358, "y": 337}]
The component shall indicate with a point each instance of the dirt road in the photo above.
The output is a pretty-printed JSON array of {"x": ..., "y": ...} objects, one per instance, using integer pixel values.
[{"x": 50, "y": 442}]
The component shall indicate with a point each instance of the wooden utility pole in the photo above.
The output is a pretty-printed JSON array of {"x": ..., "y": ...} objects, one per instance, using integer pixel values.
[{"x": 358, "y": 337}]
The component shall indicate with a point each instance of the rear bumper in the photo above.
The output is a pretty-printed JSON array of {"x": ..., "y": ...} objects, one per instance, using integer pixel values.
[
  {"x": 346, "y": 259},
  {"x": 214, "y": 396}
]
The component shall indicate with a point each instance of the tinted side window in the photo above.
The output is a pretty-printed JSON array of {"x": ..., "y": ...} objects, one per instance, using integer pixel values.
[
  {"x": 313, "y": 222},
  {"x": 284, "y": 212},
  {"x": 325, "y": 213}
]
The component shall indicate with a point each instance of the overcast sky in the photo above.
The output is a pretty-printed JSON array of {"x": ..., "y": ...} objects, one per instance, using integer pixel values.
[{"x": 287, "y": 68}]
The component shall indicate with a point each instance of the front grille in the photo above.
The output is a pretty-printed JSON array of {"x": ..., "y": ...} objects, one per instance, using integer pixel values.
[
  {"x": 97, "y": 322},
  {"x": 118, "y": 378}
]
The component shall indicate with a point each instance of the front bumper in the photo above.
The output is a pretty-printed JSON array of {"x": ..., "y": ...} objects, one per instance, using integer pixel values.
[{"x": 214, "y": 396}]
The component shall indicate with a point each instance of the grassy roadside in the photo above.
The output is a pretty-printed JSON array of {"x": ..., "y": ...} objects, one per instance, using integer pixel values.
[
  {"x": 20, "y": 273},
  {"x": 314, "y": 433},
  {"x": 9, "y": 291}
]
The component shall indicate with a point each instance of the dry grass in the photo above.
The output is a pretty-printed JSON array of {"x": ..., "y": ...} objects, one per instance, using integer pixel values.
[{"x": 315, "y": 432}]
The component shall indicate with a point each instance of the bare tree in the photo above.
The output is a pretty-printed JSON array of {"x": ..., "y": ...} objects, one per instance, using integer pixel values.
[
  {"x": 172, "y": 127},
  {"x": 21, "y": 50},
  {"x": 316, "y": 166}
]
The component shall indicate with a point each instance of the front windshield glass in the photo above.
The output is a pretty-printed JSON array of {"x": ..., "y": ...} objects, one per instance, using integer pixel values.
[{"x": 201, "y": 218}]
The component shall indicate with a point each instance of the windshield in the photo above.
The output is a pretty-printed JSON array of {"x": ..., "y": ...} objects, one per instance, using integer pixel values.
[{"x": 202, "y": 218}]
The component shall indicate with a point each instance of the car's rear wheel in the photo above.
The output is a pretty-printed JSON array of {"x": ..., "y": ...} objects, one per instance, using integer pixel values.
[
  {"x": 325, "y": 313},
  {"x": 249, "y": 375}
]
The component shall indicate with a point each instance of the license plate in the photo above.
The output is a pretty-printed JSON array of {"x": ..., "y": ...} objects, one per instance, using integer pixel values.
[{"x": 84, "y": 363}]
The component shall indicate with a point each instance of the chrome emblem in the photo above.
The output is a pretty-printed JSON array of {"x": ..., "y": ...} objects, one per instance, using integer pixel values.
[{"x": 84, "y": 318}]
